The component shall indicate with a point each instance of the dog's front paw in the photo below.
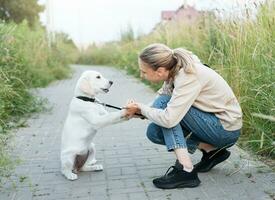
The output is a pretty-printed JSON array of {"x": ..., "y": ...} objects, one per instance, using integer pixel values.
[
  {"x": 72, "y": 176},
  {"x": 89, "y": 168}
]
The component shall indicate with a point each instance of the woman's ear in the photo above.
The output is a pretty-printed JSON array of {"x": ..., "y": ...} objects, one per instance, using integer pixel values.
[{"x": 161, "y": 71}]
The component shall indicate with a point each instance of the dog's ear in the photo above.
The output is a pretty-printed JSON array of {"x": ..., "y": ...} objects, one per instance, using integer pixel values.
[{"x": 84, "y": 86}]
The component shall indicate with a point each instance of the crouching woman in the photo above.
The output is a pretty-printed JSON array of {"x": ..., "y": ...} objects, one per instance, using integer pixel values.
[{"x": 195, "y": 108}]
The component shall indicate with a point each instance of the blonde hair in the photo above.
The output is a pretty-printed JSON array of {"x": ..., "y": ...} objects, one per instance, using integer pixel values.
[{"x": 159, "y": 55}]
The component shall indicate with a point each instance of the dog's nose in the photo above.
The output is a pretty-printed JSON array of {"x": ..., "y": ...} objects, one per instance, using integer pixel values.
[{"x": 111, "y": 82}]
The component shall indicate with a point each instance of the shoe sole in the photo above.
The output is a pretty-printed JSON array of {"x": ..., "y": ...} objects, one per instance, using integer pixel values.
[
  {"x": 192, "y": 184},
  {"x": 214, "y": 163}
]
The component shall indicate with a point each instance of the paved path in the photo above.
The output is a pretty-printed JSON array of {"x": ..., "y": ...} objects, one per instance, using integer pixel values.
[{"x": 130, "y": 160}]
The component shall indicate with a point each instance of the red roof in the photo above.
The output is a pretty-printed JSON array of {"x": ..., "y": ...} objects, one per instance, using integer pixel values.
[{"x": 167, "y": 14}]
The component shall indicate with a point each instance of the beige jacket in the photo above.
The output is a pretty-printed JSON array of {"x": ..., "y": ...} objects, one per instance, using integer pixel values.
[{"x": 205, "y": 90}]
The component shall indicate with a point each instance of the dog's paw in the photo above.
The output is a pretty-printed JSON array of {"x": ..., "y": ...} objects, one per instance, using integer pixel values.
[
  {"x": 69, "y": 175},
  {"x": 72, "y": 176},
  {"x": 89, "y": 168},
  {"x": 98, "y": 167}
]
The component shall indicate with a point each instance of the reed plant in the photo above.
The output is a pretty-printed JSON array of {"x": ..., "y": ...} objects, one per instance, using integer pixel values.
[{"x": 27, "y": 61}]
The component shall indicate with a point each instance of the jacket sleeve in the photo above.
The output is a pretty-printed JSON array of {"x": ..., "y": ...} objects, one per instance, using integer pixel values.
[{"x": 186, "y": 90}]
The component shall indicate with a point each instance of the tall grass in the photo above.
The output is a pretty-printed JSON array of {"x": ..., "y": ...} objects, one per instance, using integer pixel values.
[
  {"x": 26, "y": 61},
  {"x": 241, "y": 50}
]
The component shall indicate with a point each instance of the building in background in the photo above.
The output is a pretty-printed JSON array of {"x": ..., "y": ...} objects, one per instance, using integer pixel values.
[
  {"x": 185, "y": 13},
  {"x": 167, "y": 15}
]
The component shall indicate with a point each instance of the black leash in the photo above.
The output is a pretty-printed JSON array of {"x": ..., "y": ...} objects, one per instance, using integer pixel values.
[{"x": 104, "y": 104}]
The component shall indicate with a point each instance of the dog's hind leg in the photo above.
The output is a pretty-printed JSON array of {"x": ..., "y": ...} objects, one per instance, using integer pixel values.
[
  {"x": 67, "y": 166},
  {"x": 92, "y": 153},
  {"x": 90, "y": 164}
]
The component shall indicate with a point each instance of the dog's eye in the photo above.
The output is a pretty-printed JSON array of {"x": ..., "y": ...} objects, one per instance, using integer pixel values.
[{"x": 98, "y": 77}]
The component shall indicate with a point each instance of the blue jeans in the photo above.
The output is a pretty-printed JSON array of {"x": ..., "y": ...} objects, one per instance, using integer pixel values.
[{"x": 196, "y": 126}]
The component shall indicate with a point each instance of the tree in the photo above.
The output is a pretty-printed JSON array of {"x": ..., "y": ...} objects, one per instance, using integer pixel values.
[{"x": 18, "y": 10}]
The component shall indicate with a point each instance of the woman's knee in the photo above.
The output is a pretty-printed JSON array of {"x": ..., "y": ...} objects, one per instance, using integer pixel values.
[
  {"x": 154, "y": 134},
  {"x": 161, "y": 101},
  {"x": 229, "y": 139}
]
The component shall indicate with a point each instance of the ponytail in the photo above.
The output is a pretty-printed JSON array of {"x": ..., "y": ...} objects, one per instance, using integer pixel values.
[{"x": 185, "y": 59}]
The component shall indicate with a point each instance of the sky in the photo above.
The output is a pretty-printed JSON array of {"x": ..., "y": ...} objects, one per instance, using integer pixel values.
[{"x": 88, "y": 21}]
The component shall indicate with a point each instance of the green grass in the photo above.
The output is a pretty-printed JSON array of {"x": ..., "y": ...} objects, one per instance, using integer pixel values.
[
  {"x": 26, "y": 61},
  {"x": 242, "y": 51}
]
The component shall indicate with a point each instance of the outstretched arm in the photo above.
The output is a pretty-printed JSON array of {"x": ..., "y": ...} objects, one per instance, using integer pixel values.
[{"x": 100, "y": 121}]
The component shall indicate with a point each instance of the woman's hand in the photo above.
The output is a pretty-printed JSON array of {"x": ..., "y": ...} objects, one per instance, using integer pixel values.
[{"x": 132, "y": 109}]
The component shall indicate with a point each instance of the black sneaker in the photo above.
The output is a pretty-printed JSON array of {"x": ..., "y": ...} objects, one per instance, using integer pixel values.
[
  {"x": 211, "y": 159},
  {"x": 177, "y": 178}
]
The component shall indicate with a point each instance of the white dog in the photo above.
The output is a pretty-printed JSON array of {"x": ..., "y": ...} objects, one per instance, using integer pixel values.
[{"x": 85, "y": 117}]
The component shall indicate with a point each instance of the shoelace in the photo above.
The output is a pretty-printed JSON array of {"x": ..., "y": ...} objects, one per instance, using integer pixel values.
[{"x": 174, "y": 168}]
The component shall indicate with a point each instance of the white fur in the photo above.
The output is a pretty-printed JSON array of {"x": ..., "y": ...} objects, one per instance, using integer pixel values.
[{"x": 83, "y": 120}]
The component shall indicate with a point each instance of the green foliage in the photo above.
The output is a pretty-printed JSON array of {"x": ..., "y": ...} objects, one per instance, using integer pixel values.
[
  {"x": 128, "y": 35},
  {"x": 6, "y": 164},
  {"x": 27, "y": 61},
  {"x": 241, "y": 50},
  {"x": 19, "y": 10}
]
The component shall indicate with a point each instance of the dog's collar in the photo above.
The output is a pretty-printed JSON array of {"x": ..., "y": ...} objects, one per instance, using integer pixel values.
[{"x": 86, "y": 98}]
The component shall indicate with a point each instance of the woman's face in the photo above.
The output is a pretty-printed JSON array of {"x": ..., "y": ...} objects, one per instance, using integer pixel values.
[{"x": 154, "y": 76}]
